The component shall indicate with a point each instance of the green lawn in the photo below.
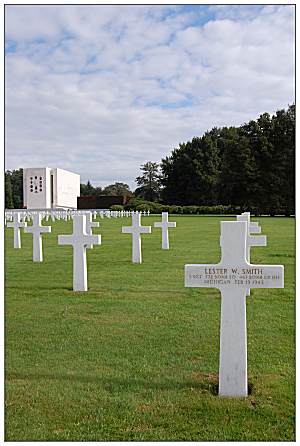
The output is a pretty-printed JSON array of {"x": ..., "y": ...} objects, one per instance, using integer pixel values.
[{"x": 136, "y": 357}]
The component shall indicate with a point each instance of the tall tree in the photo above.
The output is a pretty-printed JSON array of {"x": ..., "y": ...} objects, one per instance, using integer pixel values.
[
  {"x": 117, "y": 189},
  {"x": 190, "y": 174},
  {"x": 149, "y": 182},
  {"x": 283, "y": 141},
  {"x": 237, "y": 174},
  {"x": 9, "y": 203},
  {"x": 252, "y": 166},
  {"x": 17, "y": 187},
  {"x": 87, "y": 189}
]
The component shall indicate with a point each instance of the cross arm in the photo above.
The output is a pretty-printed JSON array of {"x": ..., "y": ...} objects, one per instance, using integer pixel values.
[
  {"x": 257, "y": 240},
  {"x": 127, "y": 229},
  {"x": 145, "y": 229},
  {"x": 94, "y": 240},
  {"x": 45, "y": 229},
  {"x": 254, "y": 228},
  {"x": 65, "y": 239}
]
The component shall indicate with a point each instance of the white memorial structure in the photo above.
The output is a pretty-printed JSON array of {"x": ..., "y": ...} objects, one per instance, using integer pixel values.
[{"x": 46, "y": 188}]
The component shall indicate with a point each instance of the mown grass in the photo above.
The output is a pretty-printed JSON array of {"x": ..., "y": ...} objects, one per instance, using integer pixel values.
[{"x": 136, "y": 357}]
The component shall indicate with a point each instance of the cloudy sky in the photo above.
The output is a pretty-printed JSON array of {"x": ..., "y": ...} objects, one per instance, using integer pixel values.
[{"x": 100, "y": 90}]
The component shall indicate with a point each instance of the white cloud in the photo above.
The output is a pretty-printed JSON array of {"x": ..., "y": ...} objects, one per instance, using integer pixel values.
[{"x": 102, "y": 89}]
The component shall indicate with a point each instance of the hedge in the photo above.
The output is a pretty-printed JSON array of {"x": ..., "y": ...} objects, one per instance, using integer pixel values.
[{"x": 137, "y": 204}]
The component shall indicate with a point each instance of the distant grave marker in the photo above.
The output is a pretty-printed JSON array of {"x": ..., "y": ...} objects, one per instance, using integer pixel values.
[
  {"x": 165, "y": 225},
  {"x": 17, "y": 224},
  {"x": 136, "y": 230},
  {"x": 79, "y": 240},
  {"x": 254, "y": 227},
  {"x": 36, "y": 230},
  {"x": 252, "y": 240},
  {"x": 90, "y": 224}
]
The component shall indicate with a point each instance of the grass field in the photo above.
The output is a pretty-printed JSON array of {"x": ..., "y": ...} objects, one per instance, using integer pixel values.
[{"x": 136, "y": 357}]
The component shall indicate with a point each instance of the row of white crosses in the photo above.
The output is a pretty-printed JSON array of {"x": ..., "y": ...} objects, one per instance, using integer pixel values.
[
  {"x": 36, "y": 230},
  {"x": 82, "y": 238},
  {"x": 17, "y": 224},
  {"x": 67, "y": 214},
  {"x": 136, "y": 229},
  {"x": 234, "y": 276}
]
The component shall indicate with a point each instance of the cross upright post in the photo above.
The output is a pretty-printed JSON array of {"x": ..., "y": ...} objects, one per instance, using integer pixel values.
[
  {"x": 164, "y": 224},
  {"x": 254, "y": 227},
  {"x": 36, "y": 230},
  {"x": 17, "y": 224},
  {"x": 233, "y": 276},
  {"x": 136, "y": 230},
  {"x": 90, "y": 224},
  {"x": 252, "y": 240},
  {"x": 79, "y": 240}
]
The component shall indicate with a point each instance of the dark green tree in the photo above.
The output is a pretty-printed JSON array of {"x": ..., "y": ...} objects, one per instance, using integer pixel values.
[
  {"x": 117, "y": 189},
  {"x": 17, "y": 188},
  {"x": 9, "y": 203},
  {"x": 87, "y": 189},
  {"x": 251, "y": 166},
  {"x": 190, "y": 174},
  {"x": 238, "y": 170},
  {"x": 98, "y": 191},
  {"x": 149, "y": 182},
  {"x": 283, "y": 141}
]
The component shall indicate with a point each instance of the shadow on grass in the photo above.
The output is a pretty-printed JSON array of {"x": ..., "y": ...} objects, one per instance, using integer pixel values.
[
  {"x": 43, "y": 288},
  {"x": 92, "y": 291},
  {"x": 209, "y": 385}
]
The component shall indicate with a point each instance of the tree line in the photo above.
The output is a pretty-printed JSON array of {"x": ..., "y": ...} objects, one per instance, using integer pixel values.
[
  {"x": 251, "y": 167},
  {"x": 115, "y": 189},
  {"x": 14, "y": 189}
]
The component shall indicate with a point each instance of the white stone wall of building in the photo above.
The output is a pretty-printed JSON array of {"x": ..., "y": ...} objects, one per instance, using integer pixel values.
[
  {"x": 66, "y": 188},
  {"x": 36, "y": 188}
]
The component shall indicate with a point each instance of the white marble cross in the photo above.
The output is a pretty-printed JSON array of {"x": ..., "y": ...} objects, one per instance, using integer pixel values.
[
  {"x": 36, "y": 230},
  {"x": 252, "y": 240},
  {"x": 17, "y": 224},
  {"x": 136, "y": 230},
  {"x": 164, "y": 224},
  {"x": 90, "y": 224},
  {"x": 234, "y": 275},
  {"x": 79, "y": 240},
  {"x": 253, "y": 225}
]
